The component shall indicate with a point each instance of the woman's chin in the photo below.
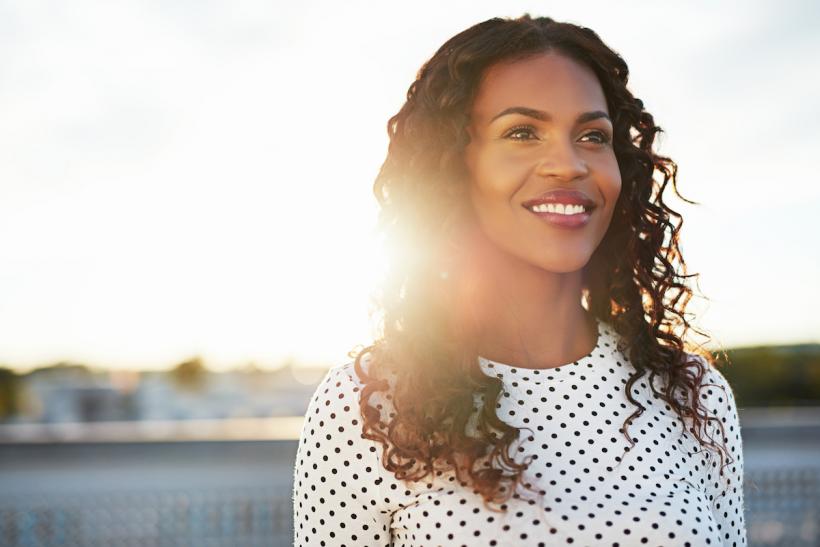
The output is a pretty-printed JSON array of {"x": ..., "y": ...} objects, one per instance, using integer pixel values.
[{"x": 564, "y": 264}]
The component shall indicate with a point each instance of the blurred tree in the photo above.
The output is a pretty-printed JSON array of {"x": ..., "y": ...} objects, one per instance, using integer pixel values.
[
  {"x": 9, "y": 393},
  {"x": 191, "y": 375},
  {"x": 774, "y": 375},
  {"x": 65, "y": 369}
]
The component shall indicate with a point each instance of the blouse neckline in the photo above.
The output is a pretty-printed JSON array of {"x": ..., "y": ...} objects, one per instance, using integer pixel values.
[{"x": 604, "y": 346}]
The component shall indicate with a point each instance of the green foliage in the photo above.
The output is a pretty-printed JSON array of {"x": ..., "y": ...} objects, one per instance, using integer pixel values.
[
  {"x": 9, "y": 393},
  {"x": 191, "y": 375},
  {"x": 774, "y": 375}
]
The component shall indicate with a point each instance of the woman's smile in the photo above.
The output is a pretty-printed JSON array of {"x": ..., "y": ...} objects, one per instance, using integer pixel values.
[{"x": 562, "y": 208}]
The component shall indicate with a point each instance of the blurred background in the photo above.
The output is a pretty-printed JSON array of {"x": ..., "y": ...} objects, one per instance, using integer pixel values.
[{"x": 187, "y": 241}]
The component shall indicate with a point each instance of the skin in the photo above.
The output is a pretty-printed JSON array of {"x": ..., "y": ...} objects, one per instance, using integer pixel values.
[{"x": 526, "y": 273}]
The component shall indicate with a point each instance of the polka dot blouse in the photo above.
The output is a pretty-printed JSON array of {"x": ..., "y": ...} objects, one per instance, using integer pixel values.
[{"x": 666, "y": 490}]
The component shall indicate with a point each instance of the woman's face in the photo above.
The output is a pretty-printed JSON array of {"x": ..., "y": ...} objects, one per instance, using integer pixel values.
[{"x": 543, "y": 175}]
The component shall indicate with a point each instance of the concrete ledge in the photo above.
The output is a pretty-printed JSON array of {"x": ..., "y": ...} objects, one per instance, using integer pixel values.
[{"x": 236, "y": 429}]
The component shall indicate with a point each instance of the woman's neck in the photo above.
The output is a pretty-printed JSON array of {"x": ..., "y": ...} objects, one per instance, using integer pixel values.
[{"x": 523, "y": 315}]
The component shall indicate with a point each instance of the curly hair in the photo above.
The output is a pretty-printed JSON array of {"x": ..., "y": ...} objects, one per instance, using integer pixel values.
[{"x": 636, "y": 279}]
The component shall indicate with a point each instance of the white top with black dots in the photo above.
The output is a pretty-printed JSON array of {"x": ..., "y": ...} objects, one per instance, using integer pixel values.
[{"x": 665, "y": 491}]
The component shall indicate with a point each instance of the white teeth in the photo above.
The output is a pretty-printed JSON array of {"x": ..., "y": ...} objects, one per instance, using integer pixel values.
[{"x": 559, "y": 208}]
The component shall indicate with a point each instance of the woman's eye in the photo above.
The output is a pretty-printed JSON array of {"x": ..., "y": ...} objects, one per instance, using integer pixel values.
[
  {"x": 597, "y": 137},
  {"x": 521, "y": 133}
]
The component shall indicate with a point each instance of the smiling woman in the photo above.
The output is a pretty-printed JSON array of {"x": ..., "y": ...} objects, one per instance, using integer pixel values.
[{"x": 538, "y": 281}]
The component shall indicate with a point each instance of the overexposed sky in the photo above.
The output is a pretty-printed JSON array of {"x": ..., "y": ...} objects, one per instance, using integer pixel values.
[{"x": 194, "y": 178}]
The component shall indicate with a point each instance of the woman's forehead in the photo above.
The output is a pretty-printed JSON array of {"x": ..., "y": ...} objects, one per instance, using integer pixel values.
[{"x": 549, "y": 82}]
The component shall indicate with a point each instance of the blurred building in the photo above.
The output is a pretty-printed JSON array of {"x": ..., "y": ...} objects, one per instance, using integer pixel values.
[{"x": 72, "y": 393}]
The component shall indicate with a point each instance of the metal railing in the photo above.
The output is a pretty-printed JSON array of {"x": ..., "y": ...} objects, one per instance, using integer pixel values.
[
  {"x": 225, "y": 517},
  {"x": 202, "y": 492}
]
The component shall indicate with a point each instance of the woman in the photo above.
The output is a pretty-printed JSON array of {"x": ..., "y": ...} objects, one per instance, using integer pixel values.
[{"x": 531, "y": 385}]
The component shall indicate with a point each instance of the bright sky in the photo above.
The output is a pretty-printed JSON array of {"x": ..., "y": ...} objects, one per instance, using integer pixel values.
[{"x": 194, "y": 177}]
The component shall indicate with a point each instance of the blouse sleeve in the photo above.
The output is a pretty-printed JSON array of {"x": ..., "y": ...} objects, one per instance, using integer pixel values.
[
  {"x": 725, "y": 491},
  {"x": 336, "y": 480}
]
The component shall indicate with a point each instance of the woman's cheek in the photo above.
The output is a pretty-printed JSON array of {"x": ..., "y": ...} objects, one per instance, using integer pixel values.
[
  {"x": 508, "y": 171},
  {"x": 492, "y": 172}
]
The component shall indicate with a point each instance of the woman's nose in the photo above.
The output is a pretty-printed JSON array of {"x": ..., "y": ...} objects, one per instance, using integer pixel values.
[{"x": 561, "y": 160}]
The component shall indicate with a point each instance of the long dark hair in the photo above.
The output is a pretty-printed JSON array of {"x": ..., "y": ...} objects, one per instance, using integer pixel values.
[{"x": 635, "y": 280}]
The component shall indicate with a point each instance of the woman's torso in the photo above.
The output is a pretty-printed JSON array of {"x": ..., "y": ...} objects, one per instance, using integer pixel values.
[{"x": 598, "y": 490}]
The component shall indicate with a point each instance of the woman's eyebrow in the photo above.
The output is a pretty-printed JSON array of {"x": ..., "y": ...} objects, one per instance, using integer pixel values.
[{"x": 544, "y": 116}]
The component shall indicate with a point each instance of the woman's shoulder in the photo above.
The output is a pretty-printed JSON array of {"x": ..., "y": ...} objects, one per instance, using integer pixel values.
[
  {"x": 333, "y": 417},
  {"x": 341, "y": 387},
  {"x": 718, "y": 395},
  {"x": 346, "y": 375},
  {"x": 337, "y": 473},
  {"x": 714, "y": 386},
  {"x": 714, "y": 390}
]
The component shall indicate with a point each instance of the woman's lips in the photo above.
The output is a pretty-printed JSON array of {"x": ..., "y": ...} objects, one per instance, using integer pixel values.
[
  {"x": 561, "y": 195},
  {"x": 576, "y": 220}
]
